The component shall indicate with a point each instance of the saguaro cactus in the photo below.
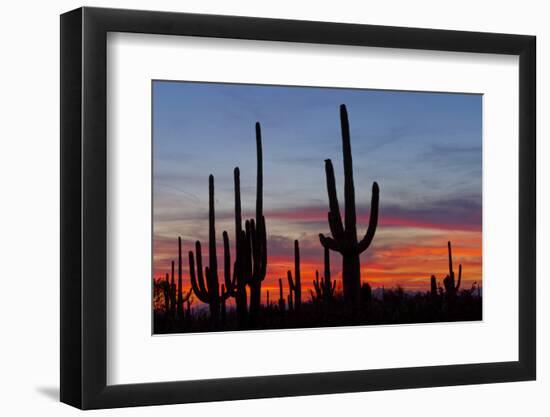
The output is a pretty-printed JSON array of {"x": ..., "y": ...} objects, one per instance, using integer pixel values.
[
  {"x": 223, "y": 305},
  {"x": 180, "y": 282},
  {"x": 257, "y": 237},
  {"x": 172, "y": 292},
  {"x": 324, "y": 288},
  {"x": 281, "y": 298},
  {"x": 176, "y": 294},
  {"x": 290, "y": 301},
  {"x": 295, "y": 286},
  {"x": 344, "y": 236},
  {"x": 449, "y": 280},
  {"x": 209, "y": 292},
  {"x": 229, "y": 288},
  {"x": 166, "y": 292},
  {"x": 242, "y": 255}
]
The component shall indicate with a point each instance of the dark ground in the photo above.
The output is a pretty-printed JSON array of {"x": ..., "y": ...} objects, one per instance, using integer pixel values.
[{"x": 395, "y": 307}]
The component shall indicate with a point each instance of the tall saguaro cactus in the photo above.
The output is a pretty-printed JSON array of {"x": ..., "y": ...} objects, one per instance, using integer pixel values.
[
  {"x": 229, "y": 287},
  {"x": 242, "y": 248},
  {"x": 208, "y": 291},
  {"x": 344, "y": 234},
  {"x": 256, "y": 236},
  {"x": 449, "y": 281},
  {"x": 295, "y": 286},
  {"x": 251, "y": 248}
]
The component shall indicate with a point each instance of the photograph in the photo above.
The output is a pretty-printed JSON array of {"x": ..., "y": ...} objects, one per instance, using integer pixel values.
[{"x": 285, "y": 207}]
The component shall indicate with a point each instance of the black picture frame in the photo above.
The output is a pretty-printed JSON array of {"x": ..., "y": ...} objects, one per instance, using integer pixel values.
[{"x": 84, "y": 207}]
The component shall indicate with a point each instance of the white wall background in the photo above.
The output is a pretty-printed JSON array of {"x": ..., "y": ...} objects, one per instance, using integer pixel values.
[{"x": 29, "y": 212}]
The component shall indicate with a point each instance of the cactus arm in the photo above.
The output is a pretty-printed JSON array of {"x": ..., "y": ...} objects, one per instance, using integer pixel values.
[
  {"x": 317, "y": 286},
  {"x": 258, "y": 245},
  {"x": 451, "y": 274},
  {"x": 201, "y": 295},
  {"x": 329, "y": 243},
  {"x": 209, "y": 284},
  {"x": 373, "y": 220},
  {"x": 290, "y": 281},
  {"x": 459, "y": 276},
  {"x": 280, "y": 289},
  {"x": 334, "y": 217},
  {"x": 333, "y": 287},
  {"x": 255, "y": 247},
  {"x": 229, "y": 282},
  {"x": 263, "y": 258},
  {"x": 312, "y": 294},
  {"x": 350, "y": 219},
  {"x": 200, "y": 276},
  {"x": 334, "y": 223},
  {"x": 188, "y": 295},
  {"x": 225, "y": 293}
]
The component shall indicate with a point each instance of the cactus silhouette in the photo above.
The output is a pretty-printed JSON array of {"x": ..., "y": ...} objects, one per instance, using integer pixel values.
[
  {"x": 209, "y": 291},
  {"x": 241, "y": 269},
  {"x": 229, "y": 288},
  {"x": 172, "y": 292},
  {"x": 295, "y": 286},
  {"x": 171, "y": 300},
  {"x": 344, "y": 235},
  {"x": 256, "y": 237},
  {"x": 290, "y": 301},
  {"x": 281, "y": 298},
  {"x": 449, "y": 281},
  {"x": 182, "y": 298},
  {"x": 166, "y": 292},
  {"x": 223, "y": 306},
  {"x": 324, "y": 288}
]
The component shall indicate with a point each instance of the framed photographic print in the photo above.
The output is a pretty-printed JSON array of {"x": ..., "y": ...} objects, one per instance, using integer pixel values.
[{"x": 257, "y": 208}]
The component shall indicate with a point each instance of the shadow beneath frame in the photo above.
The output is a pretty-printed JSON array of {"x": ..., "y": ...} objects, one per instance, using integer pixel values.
[{"x": 50, "y": 392}]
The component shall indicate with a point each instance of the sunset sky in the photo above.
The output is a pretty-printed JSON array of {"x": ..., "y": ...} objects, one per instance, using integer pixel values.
[{"x": 423, "y": 149}]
